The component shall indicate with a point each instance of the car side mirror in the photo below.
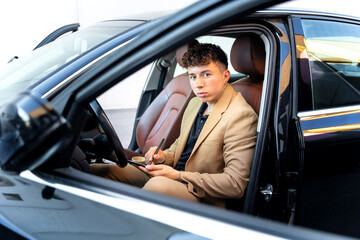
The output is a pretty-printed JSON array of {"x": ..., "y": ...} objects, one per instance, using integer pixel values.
[{"x": 30, "y": 133}]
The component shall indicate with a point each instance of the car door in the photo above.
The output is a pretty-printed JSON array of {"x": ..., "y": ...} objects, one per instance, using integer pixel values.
[
  {"x": 329, "y": 111},
  {"x": 87, "y": 199}
]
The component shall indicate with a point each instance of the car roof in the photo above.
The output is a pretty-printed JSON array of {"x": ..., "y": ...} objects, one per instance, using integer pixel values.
[
  {"x": 302, "y": 11},
  {"x": 148, "y": 15}
]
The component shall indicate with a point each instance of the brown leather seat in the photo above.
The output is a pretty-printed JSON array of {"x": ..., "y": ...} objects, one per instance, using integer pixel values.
[
  {"x": 162, "y": 118},
  {"x": 248, "y": 57}
]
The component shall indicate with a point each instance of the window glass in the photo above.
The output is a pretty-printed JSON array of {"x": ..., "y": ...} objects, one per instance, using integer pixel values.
[
  {"x": 334, "y": 55},
  {"x": 18, "y": 75},
  {"x": 121, "y": 101}
]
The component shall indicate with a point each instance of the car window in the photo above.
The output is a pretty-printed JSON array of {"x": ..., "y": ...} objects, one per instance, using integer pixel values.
[
  {"x": 334, "y": 50},
  {"x": 121, "y": 101},
  {"x": 21, "y": 74}
]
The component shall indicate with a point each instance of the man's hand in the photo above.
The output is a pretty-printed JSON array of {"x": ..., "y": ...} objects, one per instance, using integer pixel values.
[
  {"x": 157, "y": 158},
  {"x": 161, "y": 170}
]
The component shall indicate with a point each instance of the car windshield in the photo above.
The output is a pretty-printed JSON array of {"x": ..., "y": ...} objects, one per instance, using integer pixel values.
[{"x": 18, "y": 75}]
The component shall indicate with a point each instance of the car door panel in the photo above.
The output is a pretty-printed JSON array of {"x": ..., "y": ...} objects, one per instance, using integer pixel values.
[
  {"x": 331, "y": 172},
  {"x": 45, "y": 212},
  {"x": 66, "y": 203},
  {"x": 329, "y": 129},
  {"x": 113, "y": 210}
]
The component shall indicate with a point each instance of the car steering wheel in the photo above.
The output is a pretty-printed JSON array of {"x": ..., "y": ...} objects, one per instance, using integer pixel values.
[{"x": 110, "y": 133}]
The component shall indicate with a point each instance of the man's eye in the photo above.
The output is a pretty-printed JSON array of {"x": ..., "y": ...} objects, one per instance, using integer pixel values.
[
  {"x": 207, "y": 74},
  {"x": 192, "y": 77}
]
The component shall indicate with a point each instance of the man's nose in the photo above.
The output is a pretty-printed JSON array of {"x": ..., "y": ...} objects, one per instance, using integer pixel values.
[{"x": 200, "y": 82}]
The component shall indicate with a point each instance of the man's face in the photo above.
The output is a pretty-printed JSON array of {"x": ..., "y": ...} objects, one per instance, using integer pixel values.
[{"x": 208, "y": 82}]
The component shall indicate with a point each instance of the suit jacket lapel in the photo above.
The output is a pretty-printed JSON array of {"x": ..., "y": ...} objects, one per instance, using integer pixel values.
[{"x": 215, "y": 116}]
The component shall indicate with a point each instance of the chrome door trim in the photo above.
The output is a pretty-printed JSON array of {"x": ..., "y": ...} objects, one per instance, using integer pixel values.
[
  {"x": 329, "y": 111},
  {"x": 332, "y": 120}
]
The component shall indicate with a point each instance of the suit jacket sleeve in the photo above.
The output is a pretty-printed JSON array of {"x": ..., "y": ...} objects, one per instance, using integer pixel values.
[{"x": 170, "y": 153}]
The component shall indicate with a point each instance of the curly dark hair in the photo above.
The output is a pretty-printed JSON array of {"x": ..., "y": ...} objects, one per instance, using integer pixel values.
[{"x": 202, "y": 53}]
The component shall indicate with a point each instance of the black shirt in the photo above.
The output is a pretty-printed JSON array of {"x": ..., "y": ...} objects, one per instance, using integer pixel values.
[{"x": 193, "y": 136}]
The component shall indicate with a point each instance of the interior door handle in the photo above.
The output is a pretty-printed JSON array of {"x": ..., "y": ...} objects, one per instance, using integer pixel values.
[{"x": 267, "y": 192}]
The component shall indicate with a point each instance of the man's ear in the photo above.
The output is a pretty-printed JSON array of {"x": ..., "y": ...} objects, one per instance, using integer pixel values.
[{"x": 227, "y": 75}]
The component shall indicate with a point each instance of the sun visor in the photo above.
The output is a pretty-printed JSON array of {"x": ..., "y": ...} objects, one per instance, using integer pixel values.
[{"x": 30, "y": 129}]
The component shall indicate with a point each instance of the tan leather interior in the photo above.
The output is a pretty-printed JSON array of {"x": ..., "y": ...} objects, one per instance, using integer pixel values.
[
  {"x": 248, "y": 57},
  {"x": 162, "y": 118}
]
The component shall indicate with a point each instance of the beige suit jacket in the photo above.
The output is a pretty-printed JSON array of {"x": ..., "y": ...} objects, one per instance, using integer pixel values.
[{"x": 219, "y": 165}]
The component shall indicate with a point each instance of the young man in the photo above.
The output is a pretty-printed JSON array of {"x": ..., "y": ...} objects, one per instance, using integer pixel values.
[{"x": 210, "y": 161}]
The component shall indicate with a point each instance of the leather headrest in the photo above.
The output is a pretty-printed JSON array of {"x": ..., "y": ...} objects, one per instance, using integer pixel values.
[
  {"x": 183, "y": 49},
  {"x": 248, "y": 55}
]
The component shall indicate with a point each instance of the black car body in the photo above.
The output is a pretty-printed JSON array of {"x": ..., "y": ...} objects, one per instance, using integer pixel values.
[{"x": 305, "y": 164}]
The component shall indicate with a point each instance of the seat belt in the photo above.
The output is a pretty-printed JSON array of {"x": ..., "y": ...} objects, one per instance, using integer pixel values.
[
  {"x": 161, "y": 80},
  {"x": 164, "y": 68}
]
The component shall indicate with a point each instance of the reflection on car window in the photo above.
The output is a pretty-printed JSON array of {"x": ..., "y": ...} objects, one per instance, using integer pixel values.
[
  {"x": 334, "y": 54},
  {"x": 21, "y": 74}
]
